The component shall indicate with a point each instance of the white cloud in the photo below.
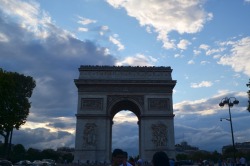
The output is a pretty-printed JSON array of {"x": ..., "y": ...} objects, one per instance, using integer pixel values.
[
  {"x": 183, "y": 44},
  {"x": 104, "y": 28},
  {"x": 148, "y": 29},
  {"x": 166, "y": 16},
  {"x": 3, "y": 38},
  {"x": 117, "y": 43},
  {"x": 83, "y": 29},
  {"x": 85, "y": 21},
  {"x": 204, "y": 62},
  {"x": 212, "y": 51},
  {"x": 191, "y": 62},
  {"x": 201, "y": 84},
  {"x": 217, "y": 56},
  {"x": 29, "y": 16},
  {"x": 137, "y": 60},
  {"x": 178, "y": 56},
  {"x": 43, "y": 138},
  {"x": 240, "y": 56},
  {"x": 204, "y": 46},
  {"x": 196, "y": 52}
]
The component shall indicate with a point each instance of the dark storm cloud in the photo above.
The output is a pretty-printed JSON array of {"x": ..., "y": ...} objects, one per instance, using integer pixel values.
[
  {"x": 125, "y": 136},
  {"x": 52, "y": 61},
  {"x": 62, "y": 125},
  {"x": 42, "y": 138},
  {"x": 211, "y": 133}
]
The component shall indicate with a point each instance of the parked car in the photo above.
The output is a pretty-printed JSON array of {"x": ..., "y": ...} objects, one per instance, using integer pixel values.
[
  {"x": 24, "y": 163},
  {"x": 5, "y": 163},
  {"x": 37, "y": 163},
  {"x": 50, "y": 162}
]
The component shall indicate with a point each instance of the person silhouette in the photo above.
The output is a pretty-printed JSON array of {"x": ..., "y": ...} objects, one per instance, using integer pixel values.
[
  {"x": 117, "y": 157},
  {"x": 160, "y": 159}
]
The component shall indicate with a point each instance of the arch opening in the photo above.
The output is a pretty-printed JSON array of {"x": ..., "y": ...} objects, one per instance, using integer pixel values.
[
  {"x": 125, "y": 115},
  {"x": 125, "y": 132}
]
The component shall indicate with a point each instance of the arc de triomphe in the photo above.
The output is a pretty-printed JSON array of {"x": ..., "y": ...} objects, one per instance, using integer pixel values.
[{"x": 103, "y": 91}]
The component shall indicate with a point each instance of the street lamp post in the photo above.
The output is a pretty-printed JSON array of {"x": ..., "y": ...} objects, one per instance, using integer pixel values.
[{"x": 230, "y": 101}]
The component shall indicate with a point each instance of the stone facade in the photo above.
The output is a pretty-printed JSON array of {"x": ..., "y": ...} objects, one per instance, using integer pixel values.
[{"x": 103, "y": 91}]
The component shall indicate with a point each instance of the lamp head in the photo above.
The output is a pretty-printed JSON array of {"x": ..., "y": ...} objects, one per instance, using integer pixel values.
[
  {"x": 230, "y": 104},
  {"x": 236, "y": 102},
  {"x": 226, "y": 100},
  {"x": 221, "y": 104}
]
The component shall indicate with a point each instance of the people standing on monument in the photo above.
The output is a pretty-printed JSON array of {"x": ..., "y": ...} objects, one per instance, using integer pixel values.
[
  {"x": 117, "y": 157},
  {"x": 125, "y": 160},
  {"x": 160, "y": 159}
]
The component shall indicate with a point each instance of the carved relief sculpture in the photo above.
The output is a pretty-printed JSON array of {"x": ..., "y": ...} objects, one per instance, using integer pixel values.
[
  {"x": 159, "y": 134},
  {"x": 89, "y": 134}
]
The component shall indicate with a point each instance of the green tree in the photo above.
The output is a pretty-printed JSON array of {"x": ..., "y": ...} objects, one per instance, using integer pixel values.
[
  {"x": 69, "y": 157},
  {"x": 18, "y": 153},
  {"x": 15, "y": 91},
  {"x": 34, "y": 154},
  {"x": 228, "y": 152},
  {"x": 182, "y": 157},
  {"x": 50, "y": 154},
  {"x": 216, "y": 156}
]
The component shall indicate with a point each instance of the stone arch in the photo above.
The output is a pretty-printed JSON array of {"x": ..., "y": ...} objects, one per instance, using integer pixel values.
[
  {"x": 125, "y": 103},
  {"x": 105, "y": 90}
]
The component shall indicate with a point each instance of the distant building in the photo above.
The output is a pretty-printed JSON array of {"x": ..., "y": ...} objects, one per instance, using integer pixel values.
[
  {"x": 241, "y": 147},
  {"x": 183, "y": 147}
]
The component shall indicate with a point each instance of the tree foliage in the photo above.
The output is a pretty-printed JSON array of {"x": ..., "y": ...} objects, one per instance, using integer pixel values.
[
  {"x": 18, "y": 153},
  {"x": 15, "y": 91}
]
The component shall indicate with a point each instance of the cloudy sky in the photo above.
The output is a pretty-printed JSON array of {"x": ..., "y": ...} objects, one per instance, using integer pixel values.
[{"x": 205, "y": 42}]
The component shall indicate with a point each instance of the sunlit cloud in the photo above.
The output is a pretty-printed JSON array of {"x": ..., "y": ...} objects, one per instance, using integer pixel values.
[
  {"x": 137, "y": 60},
  {"x": 183, "y": 44},
  {"x": 178, "y": 56},
  {"x": 204, "y": 62},
  {"x": 239, "y": 56},
  {"x": 117, "y": 43},
  {"x": 85, "y": 21},
  {"x": 201, "y": 84},
  {"x": 191, "y": 62},
  {"x": 29, "y": 15},
  {"x": 196, "y": 52},
  {"x": 204, "y": 46},
  {"x": 83, "y": 29},
  {"x": 166, "y": 16}
]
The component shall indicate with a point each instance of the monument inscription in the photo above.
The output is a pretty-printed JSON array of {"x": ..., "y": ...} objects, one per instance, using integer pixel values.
[
  {"x": 158, "y": 104},
  {"x": 92, "y": 104}
]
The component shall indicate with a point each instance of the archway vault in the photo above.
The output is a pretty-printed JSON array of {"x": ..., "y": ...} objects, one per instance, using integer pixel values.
[
  {"x": 125, "y": 103},
  {"x": 103, "y": 91}
]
